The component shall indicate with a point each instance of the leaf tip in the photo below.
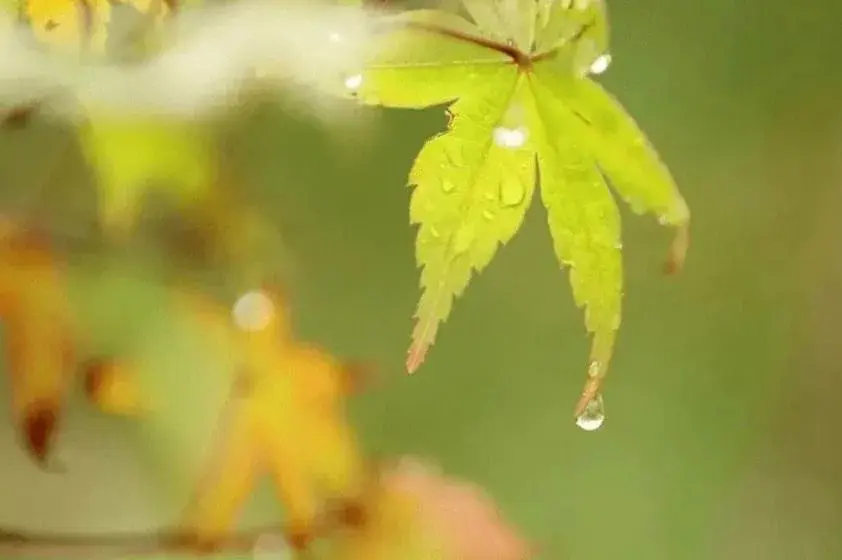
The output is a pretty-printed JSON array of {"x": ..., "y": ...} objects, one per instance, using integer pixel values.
[
  {"x": 40, "y": 422},
  {"x": 677, "y": 254},
  {"x": 602, "y": 348},
  {"x": 416, "y": 355}
]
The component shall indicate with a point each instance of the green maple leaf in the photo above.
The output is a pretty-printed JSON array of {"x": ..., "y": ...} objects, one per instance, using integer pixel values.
[{"x": 519, "y": 80}]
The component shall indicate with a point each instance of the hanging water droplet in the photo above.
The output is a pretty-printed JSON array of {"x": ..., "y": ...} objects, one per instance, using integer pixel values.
[
  {"x": 510, "y": 137},
  {"x": 253, "y": 311},
  {"x": 353, "y": 82},
  {"x": 593, "y": 416},
  {"x": 511, "y": 193},
  {"x": 601, "y": 64}
]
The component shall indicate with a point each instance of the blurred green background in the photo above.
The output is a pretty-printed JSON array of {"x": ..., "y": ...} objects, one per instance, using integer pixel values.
[{"x": 722, "y": 432}]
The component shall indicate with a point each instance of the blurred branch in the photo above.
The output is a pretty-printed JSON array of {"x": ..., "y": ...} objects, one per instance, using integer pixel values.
[
  {"x": 211, "y": 55},
  {"x": 22, "y": 544}
]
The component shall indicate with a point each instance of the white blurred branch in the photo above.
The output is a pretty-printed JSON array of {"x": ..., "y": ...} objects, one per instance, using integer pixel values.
[{"x": 212, "y": 55}]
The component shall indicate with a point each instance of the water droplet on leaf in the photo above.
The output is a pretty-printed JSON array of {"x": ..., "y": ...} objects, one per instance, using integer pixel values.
[
  {"x": 253, "y": 311},
  {"x": 509, "y": 137},
  {"x": 511, "y": 193},
  {"x": 463, "y": 239},
  {"x": 593, "y": 416},
  {"x": 448, "y": 186},
  {"x": 601, "y": 64},
  {"x": 354, "y": 82},
  {"x": 488, "y": 215}
]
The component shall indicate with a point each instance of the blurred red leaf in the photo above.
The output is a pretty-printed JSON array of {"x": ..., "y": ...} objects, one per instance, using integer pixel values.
[{"x": 418, "y": 514}]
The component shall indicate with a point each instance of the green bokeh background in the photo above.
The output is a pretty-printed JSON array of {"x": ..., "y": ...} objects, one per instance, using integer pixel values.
[{"x": 722, "y": 430}]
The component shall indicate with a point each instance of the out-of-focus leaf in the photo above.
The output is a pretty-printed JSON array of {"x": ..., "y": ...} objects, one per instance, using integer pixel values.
[
  {"x": 37, "y": 326},
  {"x": 134, "y": 156},
  {"x": 285, "y": 418},
  {"x": 418, "y": 514},
  {"x": 113, "y": 386},
  {"x": 44, "y": 344},
  {"x": 69, "y": 25}
]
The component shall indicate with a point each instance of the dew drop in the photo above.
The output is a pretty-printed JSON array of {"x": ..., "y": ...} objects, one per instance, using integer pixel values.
[
  {"x": 511, "y": 193},
  {"x": 601, "y": 64},
  {"x": 593, "y": 416},
  {"x": 448, "y": 186},
  {"x": 434, "y": 232},
  {"x": 463, "y": 239},
  {"x": 354, "y": 82},
  {"x": 488, "y": 215},
  {"x": 253, "y": 311},
  {"x": 509, "y": 137}
]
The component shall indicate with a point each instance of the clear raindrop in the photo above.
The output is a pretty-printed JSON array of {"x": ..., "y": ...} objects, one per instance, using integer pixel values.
[
  {"x": 510, "y": 137},
  {"x": 253, "y": 311},
  {"x": 593, "y": 416}
]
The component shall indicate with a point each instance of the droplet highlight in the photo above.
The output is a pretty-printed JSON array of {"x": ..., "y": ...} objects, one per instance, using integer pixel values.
[
  {"x": 600, "y": 65},
  {"x": 464, "y": 239},
  {"x": 512, "y": 193},
  {"x": 510, "y": 137},
  {"x": 353, "y": 82},
  {"x": 253, "y": 311},
  {"x": 593, "y": 416}
]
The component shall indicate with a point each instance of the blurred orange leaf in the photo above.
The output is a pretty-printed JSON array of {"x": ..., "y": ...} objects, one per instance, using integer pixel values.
[
  {"x": 285, "y": 418},
  {"x": 41, "y": 341}
]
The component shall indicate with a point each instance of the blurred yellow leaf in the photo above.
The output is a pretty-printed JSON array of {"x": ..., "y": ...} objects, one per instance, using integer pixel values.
[
  {"x": 42, "y": 341},
  {"x": 133, "y": 156},
  {"x": 36, "y": 322},
  {"x": 286, "y": 418}
]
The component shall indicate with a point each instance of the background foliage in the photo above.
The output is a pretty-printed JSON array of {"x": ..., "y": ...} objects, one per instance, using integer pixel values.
[{"x": 722, "y": 414}]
